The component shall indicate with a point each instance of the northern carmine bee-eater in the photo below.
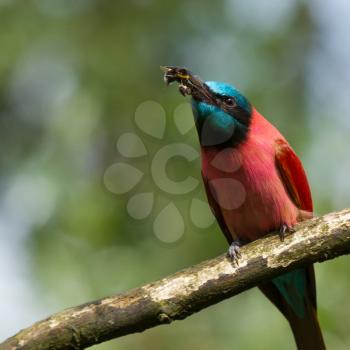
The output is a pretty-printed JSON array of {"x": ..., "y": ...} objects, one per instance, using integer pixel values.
[{"x": 255, "y": 184}]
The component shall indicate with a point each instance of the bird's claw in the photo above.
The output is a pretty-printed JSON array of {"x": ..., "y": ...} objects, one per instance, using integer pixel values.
[
  {"x": 285, "y": 229},
  {"x": 234, "y": 251}
]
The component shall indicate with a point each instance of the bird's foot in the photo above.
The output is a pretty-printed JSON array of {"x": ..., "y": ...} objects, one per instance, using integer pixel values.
[
  {"x": 234, "y": 251},
  {"x": 285, "y": 229}
]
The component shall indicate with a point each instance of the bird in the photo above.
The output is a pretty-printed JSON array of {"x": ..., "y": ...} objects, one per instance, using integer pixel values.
[{"x": 255, "y": 184}]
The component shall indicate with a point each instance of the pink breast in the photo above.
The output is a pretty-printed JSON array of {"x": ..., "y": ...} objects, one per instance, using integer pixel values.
[{"x": 246, "y": 185}]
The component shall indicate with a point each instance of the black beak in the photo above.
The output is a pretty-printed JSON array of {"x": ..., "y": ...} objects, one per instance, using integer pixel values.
[{"x": 189, "y": 84}]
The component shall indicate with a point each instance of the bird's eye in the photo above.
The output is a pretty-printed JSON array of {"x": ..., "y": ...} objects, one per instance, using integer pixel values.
[{"x": 230, "y": 102}]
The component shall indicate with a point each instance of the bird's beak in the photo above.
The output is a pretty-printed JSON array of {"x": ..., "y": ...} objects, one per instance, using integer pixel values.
[{"x": 189, "y": 84}]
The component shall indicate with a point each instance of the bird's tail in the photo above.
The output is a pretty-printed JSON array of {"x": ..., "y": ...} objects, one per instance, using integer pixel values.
[
  {"x": 307, "y": 332},
  {"x": 294, "y": 294}
]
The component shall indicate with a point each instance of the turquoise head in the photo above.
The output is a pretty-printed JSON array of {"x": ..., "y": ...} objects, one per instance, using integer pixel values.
[
  {"x": 222, "y": 114},
  {"x": 223, "y": 119}
]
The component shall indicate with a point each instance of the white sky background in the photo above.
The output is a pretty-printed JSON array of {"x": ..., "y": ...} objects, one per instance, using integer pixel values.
[{"x": 329, "y": 82}]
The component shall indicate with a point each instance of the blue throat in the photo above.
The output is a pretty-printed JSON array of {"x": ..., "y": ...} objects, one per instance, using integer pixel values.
[{"x": 218, "y": 126}]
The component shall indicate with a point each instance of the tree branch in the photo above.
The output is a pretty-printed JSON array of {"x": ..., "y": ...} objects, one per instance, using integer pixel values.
[{"x": 188, "y": 291}]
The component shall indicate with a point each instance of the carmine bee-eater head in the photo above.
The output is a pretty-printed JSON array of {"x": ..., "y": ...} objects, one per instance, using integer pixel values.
[{"x": 222, "y": 114}]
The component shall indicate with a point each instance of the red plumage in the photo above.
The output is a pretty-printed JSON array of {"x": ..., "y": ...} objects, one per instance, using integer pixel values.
[
  {"x": 293, "y": 176},
  {"x": 267, "y": 189},
  {"x": 258, "y": 187}
]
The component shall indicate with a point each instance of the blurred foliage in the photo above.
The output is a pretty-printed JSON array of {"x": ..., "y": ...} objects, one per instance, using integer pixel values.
[{"x": 72, "y": 75}]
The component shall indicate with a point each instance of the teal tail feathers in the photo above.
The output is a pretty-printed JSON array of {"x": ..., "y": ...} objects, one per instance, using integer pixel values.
[{"x": 294, "y": 294}]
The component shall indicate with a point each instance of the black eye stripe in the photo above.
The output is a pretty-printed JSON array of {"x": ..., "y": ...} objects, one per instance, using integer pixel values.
[
  {"x": 225, "y": 98},
  {"x": 230, "y": 101},
  {"x": 221, "y": 96}
]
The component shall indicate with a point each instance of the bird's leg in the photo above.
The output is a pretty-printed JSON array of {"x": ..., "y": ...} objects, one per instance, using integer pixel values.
[
  {"x": 285, "y": 229},
  {"x": 234, "y": 251}
]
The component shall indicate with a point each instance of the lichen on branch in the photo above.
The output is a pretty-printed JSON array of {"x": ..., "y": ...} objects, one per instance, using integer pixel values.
[{"x": 188, "y": 291}]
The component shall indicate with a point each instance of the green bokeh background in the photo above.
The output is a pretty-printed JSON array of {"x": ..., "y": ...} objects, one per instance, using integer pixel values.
[{"x": 72, "y": 74}]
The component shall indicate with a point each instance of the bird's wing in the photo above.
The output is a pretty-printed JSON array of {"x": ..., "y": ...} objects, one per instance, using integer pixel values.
[
  {"x": 293, "y": 175},
  {"x": 295, "y": 181},
  {"x": 215, "y": 208}
]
